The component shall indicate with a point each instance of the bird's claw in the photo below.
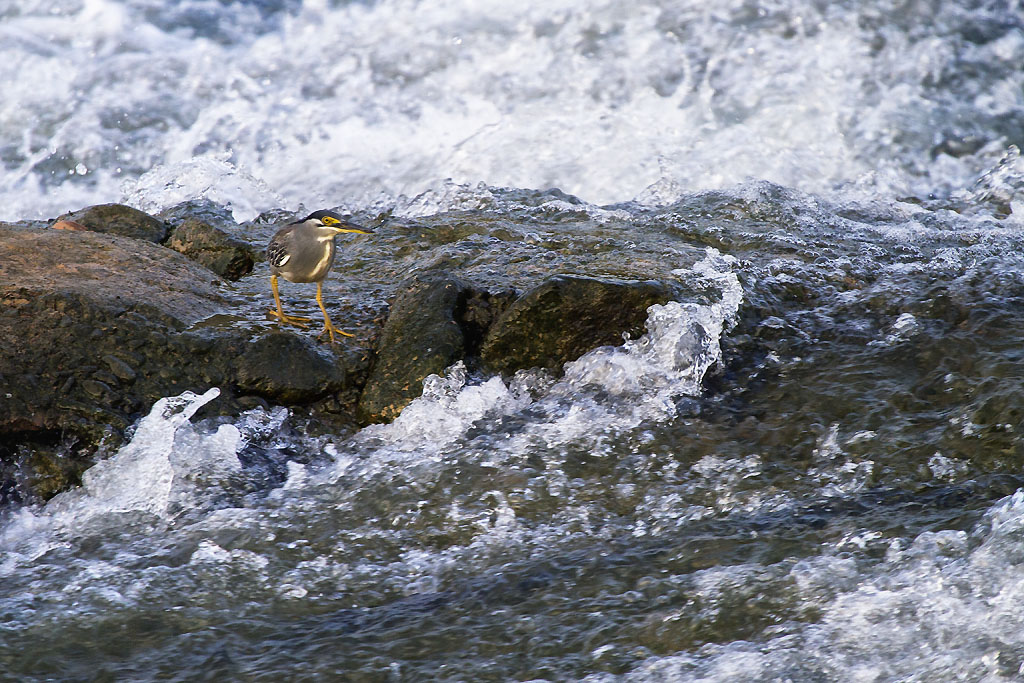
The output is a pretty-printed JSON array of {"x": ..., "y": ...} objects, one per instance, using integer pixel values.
[
  {"x": 331, "y": 329},
  {"x": 296, "y": 320}
]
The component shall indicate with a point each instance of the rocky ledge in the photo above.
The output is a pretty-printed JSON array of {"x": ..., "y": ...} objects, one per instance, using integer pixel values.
[{"x": 108, "y": 309}]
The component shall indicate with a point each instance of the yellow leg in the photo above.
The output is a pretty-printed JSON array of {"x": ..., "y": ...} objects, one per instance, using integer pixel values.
[
  {"x": 298, "y": 321},
  {"x": 328, "y": 327}
]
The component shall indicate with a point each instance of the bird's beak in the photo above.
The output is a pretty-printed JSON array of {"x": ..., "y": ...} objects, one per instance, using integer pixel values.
[{"x": 350, "y": 227}]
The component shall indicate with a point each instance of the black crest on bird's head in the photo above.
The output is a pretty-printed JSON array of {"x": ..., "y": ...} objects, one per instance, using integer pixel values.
[
  {"x": 336, "y": 221},
  {"x": 331, "y": 217}
]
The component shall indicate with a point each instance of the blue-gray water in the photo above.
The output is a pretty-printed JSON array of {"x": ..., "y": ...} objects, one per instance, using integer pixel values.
[{"x": 810, "y": 472}]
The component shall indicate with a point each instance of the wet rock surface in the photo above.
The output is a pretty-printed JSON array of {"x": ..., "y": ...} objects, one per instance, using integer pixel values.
[
  {"x": 286, "y": 368},
  {"x": 119, "y": 219},
  {"x": 435, "y": 320},
  {"x": 95, "y": 326},
  {"x": 213, "y": 248},
  {"x": 566, "y": 316}
]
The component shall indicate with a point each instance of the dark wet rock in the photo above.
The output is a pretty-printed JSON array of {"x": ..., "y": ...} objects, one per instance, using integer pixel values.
[
  {"x": 287, "y": 368},
  {"x": 37, "y": 466},
  {"x": 435, "y": 320},
  {"x": 95, "y": 328},
  {"x": 213, "y": 248},
  {"x": 118, "y": 219},
  {"x": 421, "y": 337},
  {"x": 566, "y": 316},
  {"x": 69, "y": 300},
  {"x": 131, "y": 279},
  {"x": 120, "y": 368}
]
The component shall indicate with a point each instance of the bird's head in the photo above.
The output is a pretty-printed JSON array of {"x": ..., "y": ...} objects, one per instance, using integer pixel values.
[{"x": 334, "y": 222}]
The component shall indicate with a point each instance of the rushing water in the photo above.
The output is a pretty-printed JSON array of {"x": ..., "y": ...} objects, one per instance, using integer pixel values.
[
  {"x": 811, "y": 471},
  {"x": 269, "y": 103}
]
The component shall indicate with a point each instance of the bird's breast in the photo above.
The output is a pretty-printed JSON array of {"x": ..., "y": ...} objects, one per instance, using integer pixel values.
[{"x": 309, "y": 261}]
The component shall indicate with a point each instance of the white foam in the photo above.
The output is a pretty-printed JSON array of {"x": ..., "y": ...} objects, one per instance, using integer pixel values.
[
  {"x": 943, "y": 606},
  {"x": 169, "y": 466},
  {"x": 604, "y": 393},
  {"x": 157, "y": 473},
  {"x": 605, "y": 102},
  {"x": 446, "y": 409},
  {"x": 209, "y": 176}
]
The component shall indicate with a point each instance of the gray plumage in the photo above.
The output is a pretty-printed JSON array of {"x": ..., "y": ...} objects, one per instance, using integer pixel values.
[{"x": 304, "y": 251}]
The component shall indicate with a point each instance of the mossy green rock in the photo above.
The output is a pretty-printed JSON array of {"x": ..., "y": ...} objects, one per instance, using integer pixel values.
[{"x": 566, "y": 316}]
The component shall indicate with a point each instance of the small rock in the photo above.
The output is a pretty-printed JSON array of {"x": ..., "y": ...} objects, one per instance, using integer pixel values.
[
  {"x": 96, "y": 389},
  {"x": 119, "y": 220},
  {"x": 251, "y": 402},
  {"x": 288, "y": 368},
  {"x": 106, "y": 378},
  {"x": 121, "y": 369},
  {"x": 566, "y": 316},
  {"x": 213, "y": 248}
]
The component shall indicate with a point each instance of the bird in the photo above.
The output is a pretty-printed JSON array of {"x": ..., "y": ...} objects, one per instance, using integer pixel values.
[{"x": 303, "y": 251}]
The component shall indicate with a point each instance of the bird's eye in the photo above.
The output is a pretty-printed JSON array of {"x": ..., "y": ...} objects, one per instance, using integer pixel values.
[{"x": 327, "y": 220}]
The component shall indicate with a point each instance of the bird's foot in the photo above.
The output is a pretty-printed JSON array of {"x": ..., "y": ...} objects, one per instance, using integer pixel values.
[
  {"x": 296, "y": 320},
  {"x": 331, "y": 330}
]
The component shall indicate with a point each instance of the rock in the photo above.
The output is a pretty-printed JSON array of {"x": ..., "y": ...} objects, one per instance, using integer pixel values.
[
  {"x": 121, "y": 275},
  {"x": 288, "y": 368},
  {"x": 121, "y": 369},
  {"x": 33, "y": 470},
  {"x": 72, "y": 301},
  {"x": 435, "y": 320},
  {"x": 69, "y": 225},
  {"x": 566, "y": 316},
  {"x": 421, "y": 337},
  {"x": 213, "y": 248},
  {"x": 94, "y": 328},
  {"x": 119, "y": 220},
  {"x": 97, "y": 390}
]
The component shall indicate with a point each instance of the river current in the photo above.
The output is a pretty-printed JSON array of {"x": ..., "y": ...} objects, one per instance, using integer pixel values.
[{"x": 810, "y": 470}]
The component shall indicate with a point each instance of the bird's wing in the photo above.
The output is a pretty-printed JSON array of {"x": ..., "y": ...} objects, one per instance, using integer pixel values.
[{"x": 277, "y": 253}]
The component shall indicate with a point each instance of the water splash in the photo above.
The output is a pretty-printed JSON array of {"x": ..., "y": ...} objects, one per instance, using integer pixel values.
[
  {"x": 210, "y": 177},
  {"x": 605, "y": 102},
  {"x": 939, "y": 606},
  {"x": 166, "y": 464},
  {"x": 1002, "y": 185},
  {"x": 606, "y": 392}
]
